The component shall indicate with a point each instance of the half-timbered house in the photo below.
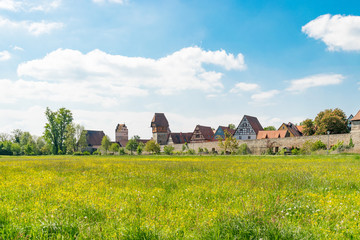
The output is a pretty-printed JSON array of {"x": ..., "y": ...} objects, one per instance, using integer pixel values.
[
  {"x": 248, "y": 128},
  {"x": 202, "y": 134}
]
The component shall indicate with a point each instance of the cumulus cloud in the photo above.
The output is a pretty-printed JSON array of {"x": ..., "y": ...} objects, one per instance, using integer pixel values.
[
  {"x": 34, "y": 28},
  {"x": 77, "y": 92},
  {"x": 5, "y": 55},
  {"x": 263, "y": 96},
  {"x": 30, "y": 5},
  {"x": 300, "y": 85},
  {"x": 181, "y": 70},
  {"x": 244, "y": 87},
  {"x": 338, "y": 32}
]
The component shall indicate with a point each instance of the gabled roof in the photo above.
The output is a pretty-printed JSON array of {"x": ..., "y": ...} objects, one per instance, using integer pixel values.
[
  {"x": 94, "y": 138},
  {"x": 255, "y": 124},
  {"x": 300, "y": 128},
  {"x": 272, "y": 134},
  {"x": 293, "y": 129},
  {"x": 179, "y": 138},
  {"x": 356, "y": 117},
  {"x": 207, "y": 132},
  {"x": 159, "y": 120},
  {"x": 229, "y": 130}
]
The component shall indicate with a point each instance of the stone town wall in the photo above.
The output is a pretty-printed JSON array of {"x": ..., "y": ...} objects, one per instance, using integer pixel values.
[{"x": 260, "y": 146}]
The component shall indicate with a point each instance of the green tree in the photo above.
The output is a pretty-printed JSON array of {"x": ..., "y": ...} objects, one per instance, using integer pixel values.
[
  {"x": 75, "y": 138},
  {"x": 168, "y": 149},
  {"x": 309, "y": 127},
  {"x": 105, "y": 143},
  {"x": 55, "y": 128},
  {"x": 229, "y": 144},
  {"x": 331, "y": 120},
  {"x": 140, "y": 148},
  {"x": 17, "y": 135},
  {"x": 231, "y": 126},
  {"x": 270, "y": 128},
  {"x": 114, "y": 148},
  {"x": 15, "y": 148},
  {"x": 132, "y": 144},
  {"x": 152, "y": 146}
]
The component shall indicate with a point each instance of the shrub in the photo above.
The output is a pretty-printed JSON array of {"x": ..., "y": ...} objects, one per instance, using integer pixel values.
[
  {"x": 153, "y": 147},
  {"x": 200, "y": 150},
  {"x": 168, "y": 149},
  {"x": 310, "y": 146},
  {"x": 97, "y": 152},
  {"x": 243, "y": 149},
  {"x": 351, "y": 144},
  {"x": 295, "y": 151},
  {"x": 77, "y": 153},
  {"x": 122, "y": 151},
  {"x": 191, "y": 152},
  {"x": 206, "y": 150},
  {"x": 86, "y": 153}
]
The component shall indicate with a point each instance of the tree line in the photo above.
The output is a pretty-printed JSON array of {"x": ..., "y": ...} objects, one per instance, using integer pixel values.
[{"x": 61, "y": 136}]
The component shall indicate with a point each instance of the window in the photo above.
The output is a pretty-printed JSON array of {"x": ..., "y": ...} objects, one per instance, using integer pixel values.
[
  {"x": 239, "y": 137},
  {"x": 249, "y": 137}
]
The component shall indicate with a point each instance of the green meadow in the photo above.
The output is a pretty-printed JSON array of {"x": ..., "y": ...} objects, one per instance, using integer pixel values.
[{"x": 180, "y": 197}]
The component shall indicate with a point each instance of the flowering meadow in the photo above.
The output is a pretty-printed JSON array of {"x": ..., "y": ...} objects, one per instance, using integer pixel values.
[{"x": 180, "y": 197}]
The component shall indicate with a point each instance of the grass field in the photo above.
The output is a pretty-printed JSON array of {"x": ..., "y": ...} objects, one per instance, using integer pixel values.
[{"x": 179, "y": 197}]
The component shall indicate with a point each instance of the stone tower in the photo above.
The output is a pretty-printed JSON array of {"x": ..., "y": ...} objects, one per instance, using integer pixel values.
[
  {"x": 355, "y": 123},
  {"x": 160, "y": 128},
  {"x": 121, "y": 134}
]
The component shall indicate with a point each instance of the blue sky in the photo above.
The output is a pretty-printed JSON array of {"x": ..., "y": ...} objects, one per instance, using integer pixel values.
[{"x": 199, "y": 62}]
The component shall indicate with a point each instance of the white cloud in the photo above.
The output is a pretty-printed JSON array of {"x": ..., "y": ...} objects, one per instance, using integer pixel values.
[
  {"x": 34, "y": 28},
  {"x": 244, "y": 87},
  {"x": 299, "y": 85},
  {"x": 263, "y": 96},
  {"x": 338, "y": 32},
  {"x": 4, "y": 56},
  {"x": 17, "y": 48},
  {"x": 182, "y": 70},
  {"x": 77, "y": 92},
  {"x": 110, "y": 1},
  {"x": 29, "y": 5}
]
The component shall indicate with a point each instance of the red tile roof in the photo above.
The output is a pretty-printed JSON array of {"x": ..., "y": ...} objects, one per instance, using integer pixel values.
[
  {"x": 231, "y": 131},
  {"x": 272, "y": 134},
  {"x": 159, "y": 120},
  {"x": 356, "y": 117},
  {"x": 180, "y": 138},
  {"x": 255, "y": 124}
]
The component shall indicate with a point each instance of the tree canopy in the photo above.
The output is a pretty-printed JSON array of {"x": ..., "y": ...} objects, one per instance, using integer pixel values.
[
  {"x": 331, "y": 120},
  {"x": 56, "y": 128}
]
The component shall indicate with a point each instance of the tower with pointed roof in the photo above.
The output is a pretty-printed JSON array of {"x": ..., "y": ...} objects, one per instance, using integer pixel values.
[
  {"x": 121, "y": 134},
  {"x": 160, "y": 128},
  {"x": 355, "y": 123}
]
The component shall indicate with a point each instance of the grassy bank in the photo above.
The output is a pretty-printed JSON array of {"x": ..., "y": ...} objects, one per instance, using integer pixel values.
[{"x": 180, "y": 197}]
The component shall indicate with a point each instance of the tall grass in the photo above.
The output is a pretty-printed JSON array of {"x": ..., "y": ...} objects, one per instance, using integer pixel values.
[{"x": 180, "y": 197}]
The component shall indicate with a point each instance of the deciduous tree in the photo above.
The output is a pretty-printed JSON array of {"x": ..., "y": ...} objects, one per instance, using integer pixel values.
[{"x": 55, "y": 128}]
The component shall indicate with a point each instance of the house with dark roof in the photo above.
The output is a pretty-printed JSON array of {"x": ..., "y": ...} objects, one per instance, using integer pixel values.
[
  {"x": 202, "y": 134},
  {"x": 160, "y": 128},
  {"x": 355, "y": 123},
  {"x": 93, "y": 140},
  {"x": 220, "y": 132},
  {"x": 273, "y": 134},
  {"x": 248, "y": 128},
  {"x": 292, "y": 128},
  {"x": 179, "y": 138}
]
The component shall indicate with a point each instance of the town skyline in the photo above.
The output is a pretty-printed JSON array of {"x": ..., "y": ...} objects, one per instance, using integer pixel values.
[{"x": 203, "y": 62}]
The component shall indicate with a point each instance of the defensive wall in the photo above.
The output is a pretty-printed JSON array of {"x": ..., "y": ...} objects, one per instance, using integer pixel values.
[{"x": 259, "y": 146}]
